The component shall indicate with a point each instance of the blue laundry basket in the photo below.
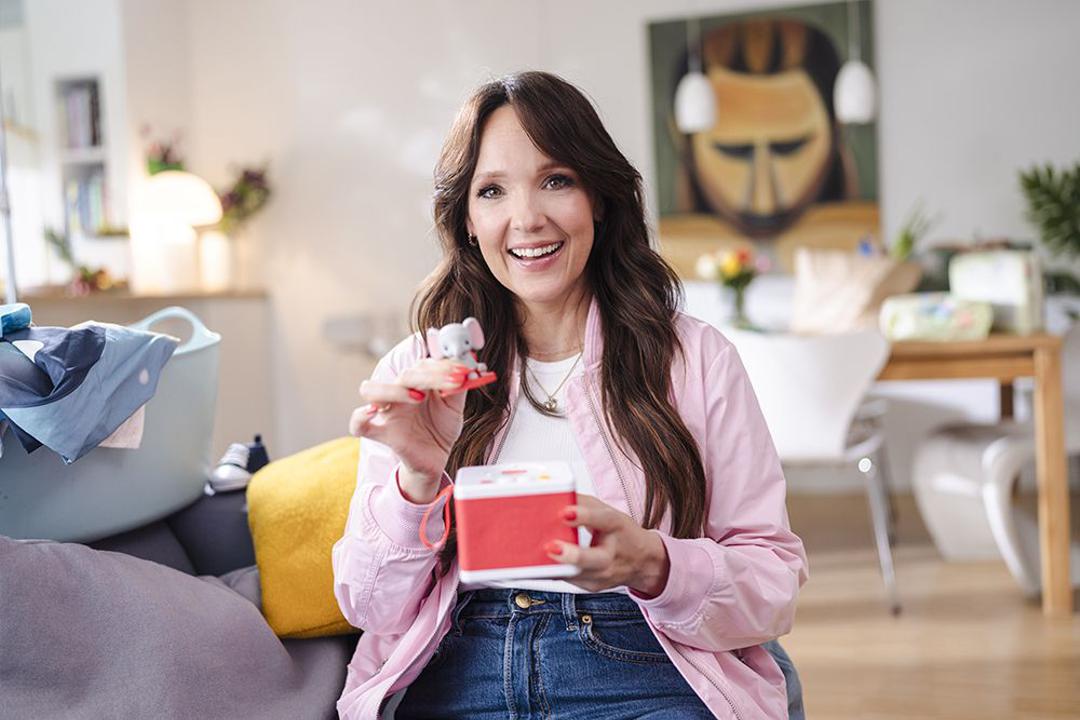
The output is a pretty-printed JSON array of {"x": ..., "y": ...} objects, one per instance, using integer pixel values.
[{"x": 110, "y": 490}]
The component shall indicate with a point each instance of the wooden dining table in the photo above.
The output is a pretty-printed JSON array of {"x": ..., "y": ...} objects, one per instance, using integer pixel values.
[{"x": 1006, "y": 358}]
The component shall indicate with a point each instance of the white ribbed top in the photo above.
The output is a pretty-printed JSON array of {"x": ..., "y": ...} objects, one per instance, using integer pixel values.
[{"x": 534, "y": 437}]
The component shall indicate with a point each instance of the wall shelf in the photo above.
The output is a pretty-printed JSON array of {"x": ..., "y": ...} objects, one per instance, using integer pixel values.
[{"x": 95, "y": 155}]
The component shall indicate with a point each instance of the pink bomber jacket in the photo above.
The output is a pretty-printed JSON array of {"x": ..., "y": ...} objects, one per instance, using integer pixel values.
[{"x": 727, "y": 591}]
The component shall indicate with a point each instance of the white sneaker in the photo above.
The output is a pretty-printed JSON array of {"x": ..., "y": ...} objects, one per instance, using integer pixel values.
[{"x": 231, "y": 471}]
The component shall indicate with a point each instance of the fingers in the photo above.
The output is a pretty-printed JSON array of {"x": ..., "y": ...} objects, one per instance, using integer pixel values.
[
  {"x": 587, "y": 559},
  {"x": 431, "y": 374},
  {"x": 593, "y": 514},
  {"x": 360, "y": 422},
  {"x": 381, "y": 394}
]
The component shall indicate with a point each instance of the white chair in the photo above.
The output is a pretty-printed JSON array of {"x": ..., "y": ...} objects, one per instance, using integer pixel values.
[
  {"x": 811, "y": 390},
  {"x": 965, "y": 479}
]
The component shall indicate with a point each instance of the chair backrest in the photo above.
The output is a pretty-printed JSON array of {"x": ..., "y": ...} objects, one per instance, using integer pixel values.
[{"x": 809, "y": 387}]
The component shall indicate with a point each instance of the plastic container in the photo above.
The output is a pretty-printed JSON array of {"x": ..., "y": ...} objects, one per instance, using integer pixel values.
[
  {"x": 111, "y": 490},
  {"x": 506, "y": 514}
]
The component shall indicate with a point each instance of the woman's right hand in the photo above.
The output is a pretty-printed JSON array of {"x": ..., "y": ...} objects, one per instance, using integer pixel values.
[{"x": 412, "y": 419}]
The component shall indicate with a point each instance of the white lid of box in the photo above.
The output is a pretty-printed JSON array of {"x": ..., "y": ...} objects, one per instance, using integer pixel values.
[{"x": 536, "y": 478}]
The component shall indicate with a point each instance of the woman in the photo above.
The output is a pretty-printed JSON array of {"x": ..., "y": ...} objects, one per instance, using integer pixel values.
[{"x": 692, "y": 565}]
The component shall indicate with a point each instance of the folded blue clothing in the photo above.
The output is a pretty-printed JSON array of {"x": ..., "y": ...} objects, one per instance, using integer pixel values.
[
  {"x": 22, "y": 382},
  {"x": 100, "y": 375},
  {"x": 14, "y": 317}
]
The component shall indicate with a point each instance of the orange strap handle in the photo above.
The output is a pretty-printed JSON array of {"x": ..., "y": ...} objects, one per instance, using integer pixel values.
[{"x": 444, "y": 493}]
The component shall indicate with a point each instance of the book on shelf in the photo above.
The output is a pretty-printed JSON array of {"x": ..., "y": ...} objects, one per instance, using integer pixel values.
[
  {"x": 82, "y": 110},
  {"x": 86, "y": 200}
]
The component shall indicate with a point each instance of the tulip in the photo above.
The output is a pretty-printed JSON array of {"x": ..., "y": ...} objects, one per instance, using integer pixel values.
[{"x": 730, "y": 264}]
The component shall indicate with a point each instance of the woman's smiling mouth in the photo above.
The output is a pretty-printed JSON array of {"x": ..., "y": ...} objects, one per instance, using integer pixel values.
[{"x": 531, "y": 253}]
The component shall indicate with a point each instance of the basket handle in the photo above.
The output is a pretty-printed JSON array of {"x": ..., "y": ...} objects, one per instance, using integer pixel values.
[{"x": 201, "y": 336}]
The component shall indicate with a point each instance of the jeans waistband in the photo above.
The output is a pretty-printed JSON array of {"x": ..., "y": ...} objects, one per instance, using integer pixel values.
[{"x": 494, "y": 603}]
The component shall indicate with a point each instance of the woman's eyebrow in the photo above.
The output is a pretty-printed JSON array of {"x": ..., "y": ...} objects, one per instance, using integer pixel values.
[
  {"x": 552, "y": 165},
  {"x": 488, "y": 175}
]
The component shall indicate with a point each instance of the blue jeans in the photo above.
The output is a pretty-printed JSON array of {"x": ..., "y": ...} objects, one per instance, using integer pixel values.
[{"x": 562, "y": 656}]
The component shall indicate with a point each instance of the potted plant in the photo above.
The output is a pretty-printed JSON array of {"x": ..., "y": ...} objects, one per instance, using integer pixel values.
[{"x": 1053, "y": 207}]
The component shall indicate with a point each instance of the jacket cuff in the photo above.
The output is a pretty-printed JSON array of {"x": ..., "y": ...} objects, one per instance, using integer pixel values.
[
  {"x": 690, "y": 579},
  {"x": 399, "y": 519}
]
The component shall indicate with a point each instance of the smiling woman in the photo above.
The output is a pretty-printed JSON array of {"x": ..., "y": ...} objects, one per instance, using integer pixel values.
[
  {"x": 692, "y": 571},
  {"x": 532, "y": 218}
]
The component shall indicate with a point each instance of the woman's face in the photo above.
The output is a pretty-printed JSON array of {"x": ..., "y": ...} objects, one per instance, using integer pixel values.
[{"x": 532, "y": 218}]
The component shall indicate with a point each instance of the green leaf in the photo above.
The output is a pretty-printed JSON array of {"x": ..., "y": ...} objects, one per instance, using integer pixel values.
[{"x": 1053, "y": 199}]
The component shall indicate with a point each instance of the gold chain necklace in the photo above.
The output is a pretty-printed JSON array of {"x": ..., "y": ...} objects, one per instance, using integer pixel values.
[{"x": 551, "y": 404}]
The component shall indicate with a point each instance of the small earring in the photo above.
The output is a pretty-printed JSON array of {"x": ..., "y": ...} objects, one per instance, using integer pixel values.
[{"x": 473, "y": 241}]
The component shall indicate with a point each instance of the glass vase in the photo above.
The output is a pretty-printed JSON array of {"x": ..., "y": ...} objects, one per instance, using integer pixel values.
[{"x": 738, "y": 315}]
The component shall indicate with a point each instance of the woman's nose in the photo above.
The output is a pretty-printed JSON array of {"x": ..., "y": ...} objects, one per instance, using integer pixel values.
[{"x": 527, "y": 215}]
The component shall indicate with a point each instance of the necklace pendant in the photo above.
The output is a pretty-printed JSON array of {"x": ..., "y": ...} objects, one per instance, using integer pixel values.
[{"x": 551, "y": 404}]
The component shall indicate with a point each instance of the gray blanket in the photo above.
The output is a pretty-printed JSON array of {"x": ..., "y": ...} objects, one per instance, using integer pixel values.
[{"x": 91, "y": 634}]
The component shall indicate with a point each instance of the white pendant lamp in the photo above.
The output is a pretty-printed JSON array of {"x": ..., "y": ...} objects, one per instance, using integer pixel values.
[
  {"x": 695, "y": 100},
  {"x": 855, "y": 92}
]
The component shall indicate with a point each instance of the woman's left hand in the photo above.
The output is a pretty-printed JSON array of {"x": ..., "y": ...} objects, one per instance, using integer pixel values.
[{"x": 622, "y": 552}]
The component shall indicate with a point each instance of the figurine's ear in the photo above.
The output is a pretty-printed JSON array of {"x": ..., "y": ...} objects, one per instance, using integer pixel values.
[
  {"x": 476, "y": 333},
  {"x": 433, "y": 346}
]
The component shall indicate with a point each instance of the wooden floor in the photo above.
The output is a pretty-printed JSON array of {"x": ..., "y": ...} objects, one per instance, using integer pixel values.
[{"x": 967, "y": 645}]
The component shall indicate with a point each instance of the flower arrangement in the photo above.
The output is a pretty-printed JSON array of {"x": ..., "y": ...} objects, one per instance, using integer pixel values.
[
  {"x": 247, "y": 195},
  {"x": 162, "y": 155},
  {"x": 734, "y": 269}
]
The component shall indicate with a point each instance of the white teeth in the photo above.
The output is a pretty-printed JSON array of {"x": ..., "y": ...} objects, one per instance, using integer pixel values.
[{"x": 536, "y": 252}]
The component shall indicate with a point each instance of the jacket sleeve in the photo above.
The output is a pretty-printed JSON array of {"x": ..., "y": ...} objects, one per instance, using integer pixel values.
[
  {"x": 737, "y": 586},
  {"x": 382, "y": 571}
]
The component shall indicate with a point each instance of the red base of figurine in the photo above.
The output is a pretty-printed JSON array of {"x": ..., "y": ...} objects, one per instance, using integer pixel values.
[{"x": 484, "y": 379}]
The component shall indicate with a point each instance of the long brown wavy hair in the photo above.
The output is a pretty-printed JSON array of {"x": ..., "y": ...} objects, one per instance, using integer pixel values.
[{"x": 636, "y": 291}]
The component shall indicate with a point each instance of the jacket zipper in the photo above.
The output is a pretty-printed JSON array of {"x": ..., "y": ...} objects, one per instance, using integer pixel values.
[
  {"x": 629, "y": 505},
  {"x": 506, "y": 433},
  {"x": 712, "y": 682}
]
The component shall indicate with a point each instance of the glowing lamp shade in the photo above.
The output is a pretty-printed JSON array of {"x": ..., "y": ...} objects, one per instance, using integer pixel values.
[
  {"x": 165, "y": 212},
  {"x": 855, "y": 93},
  {"x": 695, "y": 103}
]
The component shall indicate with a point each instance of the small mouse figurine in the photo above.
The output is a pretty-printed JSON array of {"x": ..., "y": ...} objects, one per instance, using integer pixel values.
[{"x": 459, "y": 341}]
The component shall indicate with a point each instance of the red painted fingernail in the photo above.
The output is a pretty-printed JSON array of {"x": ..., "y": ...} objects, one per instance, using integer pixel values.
[
  {"x": 569, "y": 514},
  {"x": 416, "y": 394},
  {"x": 551, "y": 547}
]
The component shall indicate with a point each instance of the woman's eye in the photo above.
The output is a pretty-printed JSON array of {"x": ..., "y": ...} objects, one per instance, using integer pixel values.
[
  {"x": 558, "y": 182},
  {"x": 488, "y": 191}
]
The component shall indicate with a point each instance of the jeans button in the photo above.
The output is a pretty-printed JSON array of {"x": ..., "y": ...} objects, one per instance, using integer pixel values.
[{"x": 522, "y": 601}]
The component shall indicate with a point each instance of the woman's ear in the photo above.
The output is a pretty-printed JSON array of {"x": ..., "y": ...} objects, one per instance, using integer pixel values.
[{"x": 469, "y": 227}]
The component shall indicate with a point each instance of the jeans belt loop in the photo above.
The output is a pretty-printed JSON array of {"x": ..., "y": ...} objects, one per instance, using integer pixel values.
[{"x": 569, "y": 609}]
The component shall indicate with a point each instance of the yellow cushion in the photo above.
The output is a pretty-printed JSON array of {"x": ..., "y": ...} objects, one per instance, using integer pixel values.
[{"x": 297, "y": 508}]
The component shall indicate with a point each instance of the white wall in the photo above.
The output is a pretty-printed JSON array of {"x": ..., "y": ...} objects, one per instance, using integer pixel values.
[
  {"x": 350, "y": 104},
  {"x": 157, "y": 86},
  {"x": 350, "y": 100},
  {"x": 973, "y": 91},
  {"x": 71, "y": 40}
]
